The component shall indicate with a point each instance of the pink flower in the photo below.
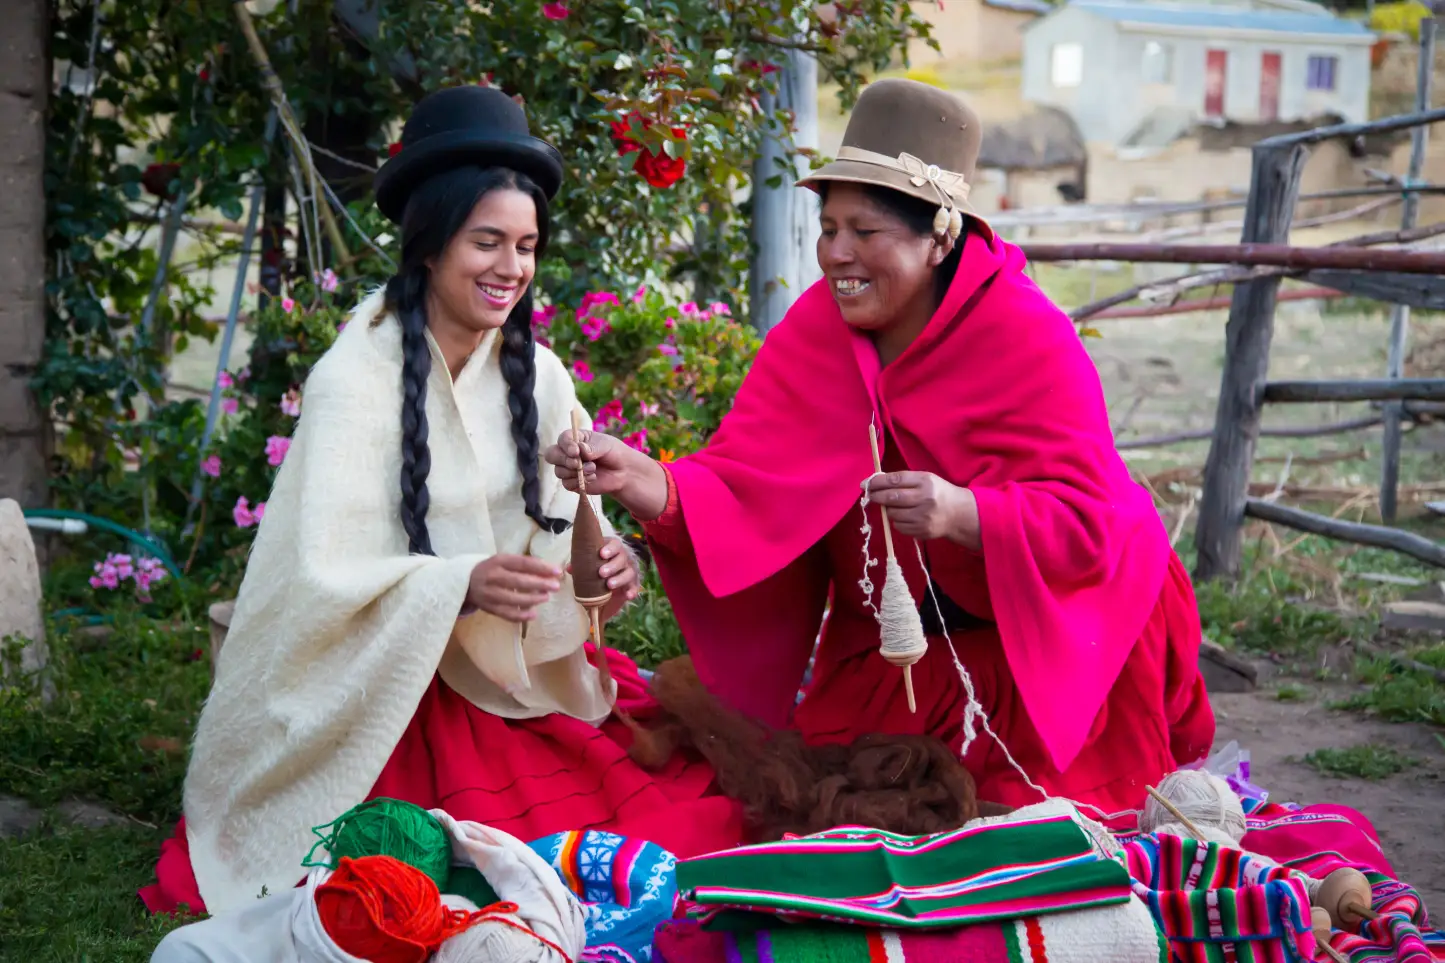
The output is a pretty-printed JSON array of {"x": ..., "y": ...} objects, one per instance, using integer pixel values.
[
  {"x": 542, "y": 341},
  {"x": 276, "y": 448},
  {"x": 596, "y": 297},
  {"x": 244, "y": 375},
  {"x": 291, "y": 403},
  {"x": 259, "y": 511},
  {"x": 608, "y": 415},
  {"x": 212, "y": 466},
  {"x": 122, "y": 564},
  {"x": 582, "y": 371},
  {"x": 327, "y": 280},
  {"x": 229, "y": 405},
  {"x": 718, "y": 307},
  {"x": 225, "y": 380},
  {"x": 243, "y": 514},
  {"x": 668, "y": 349},
  {"x": 594, "y": 328},
  {"x": 669, "y": 323},
  {"x": 649, "y": 408},
  {"x": 542, "y": 317},
  {"x": 639, "y": 294},
  {"x": 690, "y": 309},
  {"x": 638, "y": 440},
  {"x": 554, "y": 11},
  {"x": 287, "y": 304},
  {"x": 340, "y": 326}
]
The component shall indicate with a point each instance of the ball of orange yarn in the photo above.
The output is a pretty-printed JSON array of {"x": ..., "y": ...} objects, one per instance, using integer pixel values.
[{"x": 380, "y": 909}]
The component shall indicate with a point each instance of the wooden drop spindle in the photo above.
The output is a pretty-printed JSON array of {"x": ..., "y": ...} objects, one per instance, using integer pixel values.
[{"x": 588, "y": 586}]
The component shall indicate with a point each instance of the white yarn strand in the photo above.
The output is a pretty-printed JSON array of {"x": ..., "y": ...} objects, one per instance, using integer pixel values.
[{"x": 973, "y": 713}]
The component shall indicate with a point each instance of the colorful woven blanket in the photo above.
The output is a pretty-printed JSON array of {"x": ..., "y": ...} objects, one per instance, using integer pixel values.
[
  {"x": 1338, "y": 837},
  {"x": 1221, "y": 905},
  {"x": 1123, "y": 933},
  {"x": 627, "y": 887},
  {"x": 1006, "y": 870}
]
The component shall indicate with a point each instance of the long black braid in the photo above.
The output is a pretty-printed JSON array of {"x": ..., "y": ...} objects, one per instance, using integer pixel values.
[{"x": 435, "y": 212}]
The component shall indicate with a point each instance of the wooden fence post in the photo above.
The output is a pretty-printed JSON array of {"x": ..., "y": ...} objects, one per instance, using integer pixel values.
[{"x": 1273, "y": 192}]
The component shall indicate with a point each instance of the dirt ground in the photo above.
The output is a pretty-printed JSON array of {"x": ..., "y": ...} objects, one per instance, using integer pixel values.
[{"x": 1408, "y": 809}]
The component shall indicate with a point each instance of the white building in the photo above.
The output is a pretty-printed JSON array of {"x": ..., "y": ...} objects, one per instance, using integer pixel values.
[{"x": 1122, "y": 67}]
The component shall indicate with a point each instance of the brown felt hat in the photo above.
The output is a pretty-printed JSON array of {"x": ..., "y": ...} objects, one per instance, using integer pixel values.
[{"x": 913, "y": 138}]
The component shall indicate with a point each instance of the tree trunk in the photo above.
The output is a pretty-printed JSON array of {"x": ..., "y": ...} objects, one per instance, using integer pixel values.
[
  {"x": 785, "y": 219},
  {"x": 24, "y": 86}
]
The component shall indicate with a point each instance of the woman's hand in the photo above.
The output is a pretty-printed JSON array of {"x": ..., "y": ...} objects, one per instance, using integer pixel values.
[
  {"x": 511, "y": 587},
  {"x": 611, "y": 468},
  {"x": 924, "y": 506},
  {"x": 603, "y": 459},
  {"x": 619, "y": 570}
]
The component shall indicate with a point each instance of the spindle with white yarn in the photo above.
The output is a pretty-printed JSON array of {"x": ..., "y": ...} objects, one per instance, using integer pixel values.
[{"x": 901, "y": 638}]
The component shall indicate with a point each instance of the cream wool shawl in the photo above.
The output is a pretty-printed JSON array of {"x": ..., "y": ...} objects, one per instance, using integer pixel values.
[{"x": 338, "y": 631}]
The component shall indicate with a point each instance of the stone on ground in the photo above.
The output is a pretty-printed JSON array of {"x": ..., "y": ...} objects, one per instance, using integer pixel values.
[{"x": 20, "y": 603}]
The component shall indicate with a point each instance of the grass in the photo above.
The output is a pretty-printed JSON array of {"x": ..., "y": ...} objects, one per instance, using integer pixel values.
[{"x": 1370, "y": 761}]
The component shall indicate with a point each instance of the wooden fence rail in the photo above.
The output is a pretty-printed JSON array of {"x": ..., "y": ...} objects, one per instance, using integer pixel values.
[{"x": 1278, "y": 163}]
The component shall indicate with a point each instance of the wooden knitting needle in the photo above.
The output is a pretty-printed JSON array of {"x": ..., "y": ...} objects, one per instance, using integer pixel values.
[
  {"x": 888, "y": 541},
  {"x": 1174, "y": 811}
]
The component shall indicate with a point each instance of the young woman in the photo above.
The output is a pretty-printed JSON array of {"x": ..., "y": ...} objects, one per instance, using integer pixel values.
[
  {"x": 377, "y": 645},
  {"x": 1034, "y": 558}
]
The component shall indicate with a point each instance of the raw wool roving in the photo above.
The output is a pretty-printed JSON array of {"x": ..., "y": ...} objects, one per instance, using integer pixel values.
[{"x": 912, "y": 785}]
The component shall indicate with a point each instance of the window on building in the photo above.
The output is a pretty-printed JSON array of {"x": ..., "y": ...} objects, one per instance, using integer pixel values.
[
  {"x": 1066, "y": 65},
  {"x": 1320, "y": 72},
  {"x": 1158, "y": 65}
]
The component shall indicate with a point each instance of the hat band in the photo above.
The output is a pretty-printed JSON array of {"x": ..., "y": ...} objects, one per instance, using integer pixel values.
[{"x": 951, "y": 184}]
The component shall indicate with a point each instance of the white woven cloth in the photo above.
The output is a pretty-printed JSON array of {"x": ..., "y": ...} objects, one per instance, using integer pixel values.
[{"x": 338, "y": 631}]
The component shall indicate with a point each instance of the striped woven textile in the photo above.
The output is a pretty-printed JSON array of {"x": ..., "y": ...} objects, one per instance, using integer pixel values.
[
  {"x": 1221, "y": 905},
  {"x": 1403, "y": 933},
  {"x": 1123, "y": 933},
  {"x": 858, "y": 875}
]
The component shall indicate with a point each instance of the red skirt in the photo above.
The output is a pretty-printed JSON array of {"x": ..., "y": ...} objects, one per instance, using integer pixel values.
[{"x": 528, "y": 778}]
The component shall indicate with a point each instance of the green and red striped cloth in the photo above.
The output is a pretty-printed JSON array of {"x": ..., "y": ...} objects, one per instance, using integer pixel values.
[{"x": 865, "y": 876}]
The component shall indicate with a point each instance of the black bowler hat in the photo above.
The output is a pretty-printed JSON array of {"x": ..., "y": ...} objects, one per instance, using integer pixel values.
[{"x": 464, "y": 125}]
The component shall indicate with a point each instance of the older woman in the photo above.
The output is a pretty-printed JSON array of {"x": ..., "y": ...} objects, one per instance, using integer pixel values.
[{"x": 1036, "y": 561}]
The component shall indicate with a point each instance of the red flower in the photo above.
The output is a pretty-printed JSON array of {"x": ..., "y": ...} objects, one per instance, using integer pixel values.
[
  {"x": 660, "y": 170},
  {"x": 205, "y": 74},
  {"x": 158, "y": 180},
  {"x": 394, "y": 149},
  {"x": 555, "y": 11}
]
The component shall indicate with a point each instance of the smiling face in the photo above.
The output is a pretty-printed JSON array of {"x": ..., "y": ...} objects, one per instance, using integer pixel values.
[
  {"x": 486, "y": 266},
  {"x": 879, "y": 268}
]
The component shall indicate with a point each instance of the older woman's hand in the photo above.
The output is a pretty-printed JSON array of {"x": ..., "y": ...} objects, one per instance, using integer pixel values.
[{"x": 924, "y": 506}]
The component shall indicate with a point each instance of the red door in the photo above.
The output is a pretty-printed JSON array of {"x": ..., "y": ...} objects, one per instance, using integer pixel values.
[
  {"x": 1269, "y": 86},
  {"x": 1215, "y": 64}
]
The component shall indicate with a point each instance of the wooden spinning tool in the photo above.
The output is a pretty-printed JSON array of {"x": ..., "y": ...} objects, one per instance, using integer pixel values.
[
  {"x": 903, "y": 642},
  {"x": 588, "y": 586},
  {"x": 1173, "y": 810},
  {"x": 1320, "y": 924},
  {"x": 1345, "y": 895}
]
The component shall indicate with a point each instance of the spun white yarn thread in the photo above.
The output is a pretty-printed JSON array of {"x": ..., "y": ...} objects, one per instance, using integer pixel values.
[
  {"x": 1205, "y": 800},
  {"x": 973, "y": 714}
]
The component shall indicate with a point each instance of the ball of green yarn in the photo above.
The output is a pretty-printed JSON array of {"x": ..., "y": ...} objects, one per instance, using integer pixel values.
[
  {"x": 390, "y": 827},
  {"x": 469, "y": 882}
]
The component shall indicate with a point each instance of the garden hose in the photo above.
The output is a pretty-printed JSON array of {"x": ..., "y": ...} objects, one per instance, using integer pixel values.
[{"x": 149, "y": 545}]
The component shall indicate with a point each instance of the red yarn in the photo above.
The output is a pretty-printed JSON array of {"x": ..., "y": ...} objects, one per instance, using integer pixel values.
[{"x": 380, "y": 909}]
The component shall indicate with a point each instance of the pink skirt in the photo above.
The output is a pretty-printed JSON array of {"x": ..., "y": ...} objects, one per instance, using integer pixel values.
[{"x": 527, "y": 777}]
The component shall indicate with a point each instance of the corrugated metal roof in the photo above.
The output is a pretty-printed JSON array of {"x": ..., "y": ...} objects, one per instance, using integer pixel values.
[
  {"x": 1216, "y": 18},
  {"x": 1022, "y": 6}
]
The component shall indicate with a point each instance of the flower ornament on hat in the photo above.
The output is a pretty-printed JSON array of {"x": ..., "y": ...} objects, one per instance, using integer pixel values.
[
  {"x": 913, "y": 138},
  {"x": 458, "y": 126}
]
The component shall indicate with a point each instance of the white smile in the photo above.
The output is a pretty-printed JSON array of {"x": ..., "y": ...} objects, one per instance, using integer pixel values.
[
  {"x": 850, "y": 287},
  {"x": 500, "y": 294}
]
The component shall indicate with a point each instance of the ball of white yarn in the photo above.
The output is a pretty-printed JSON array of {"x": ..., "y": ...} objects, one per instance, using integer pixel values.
[
  {"x": 493, "y": 942},
  {"x": 1205, "y": 800}
]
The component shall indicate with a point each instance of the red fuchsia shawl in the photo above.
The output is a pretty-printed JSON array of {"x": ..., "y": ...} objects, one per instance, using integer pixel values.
[{"x": 996, "y": 395}]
